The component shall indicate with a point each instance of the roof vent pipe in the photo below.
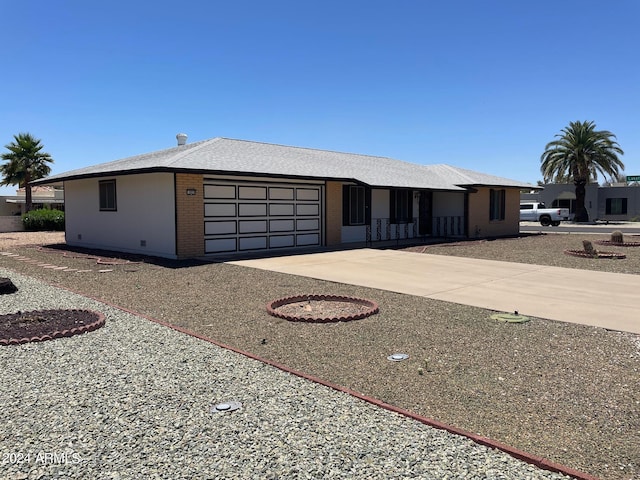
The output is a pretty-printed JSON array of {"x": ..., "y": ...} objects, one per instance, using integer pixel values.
[{"x": 182, "y": 138}]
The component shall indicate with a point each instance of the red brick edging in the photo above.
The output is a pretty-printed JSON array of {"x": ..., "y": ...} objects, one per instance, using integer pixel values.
[
  {"x": 617, "y": 244},
  {"x": 583, "y": 254},
  {"x": 272, "y": 308},
  {"x": 88, "y": 327}
]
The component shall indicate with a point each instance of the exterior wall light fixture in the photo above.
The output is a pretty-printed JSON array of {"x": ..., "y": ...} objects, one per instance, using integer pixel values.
[{"x": 191, "y": 191}]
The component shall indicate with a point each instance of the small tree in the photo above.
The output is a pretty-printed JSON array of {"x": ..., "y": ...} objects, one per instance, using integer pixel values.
[{"x": 25, "y": 162}]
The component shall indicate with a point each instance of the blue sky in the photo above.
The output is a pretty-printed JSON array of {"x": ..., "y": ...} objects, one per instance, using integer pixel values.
[{"x": 482, "y": 85}]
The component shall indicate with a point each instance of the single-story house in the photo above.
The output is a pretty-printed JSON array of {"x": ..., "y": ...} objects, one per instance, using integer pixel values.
[
  {"x": 610, "y": 203},
  {"x": 225, "y": 196},
  {"x": 41, "y": 197},
  {"x": 13, "y": 206}
]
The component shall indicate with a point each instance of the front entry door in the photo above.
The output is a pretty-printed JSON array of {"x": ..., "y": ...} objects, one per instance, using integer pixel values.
[{"x": 425, "y": 214}]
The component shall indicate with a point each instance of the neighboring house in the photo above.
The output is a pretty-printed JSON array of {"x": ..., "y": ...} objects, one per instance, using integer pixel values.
[
  {"x": 224, "y": 196},
  {"x": 13, "y": 206},
  {"x": 42, "y": 197},
  {"x": 617, "y": 202}
]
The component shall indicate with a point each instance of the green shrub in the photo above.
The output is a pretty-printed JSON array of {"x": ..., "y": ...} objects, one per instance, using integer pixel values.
[{"x": 43, "y": 220}]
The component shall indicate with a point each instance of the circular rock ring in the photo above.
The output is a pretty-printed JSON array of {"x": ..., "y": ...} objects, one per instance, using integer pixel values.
[
  {"x": 617, "y": 244},
  {"x": 371, "y": 308},
  {"x": 94, "y": 320},
  {"x": 583, "y": 254}
]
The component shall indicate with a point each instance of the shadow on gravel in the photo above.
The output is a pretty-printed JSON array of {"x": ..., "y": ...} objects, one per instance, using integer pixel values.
[
  {"x": 78, "y": 252},
  {"x": 70, "y": 251}
]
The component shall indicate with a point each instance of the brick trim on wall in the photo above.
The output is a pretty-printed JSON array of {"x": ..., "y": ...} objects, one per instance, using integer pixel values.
[
  {"x": 189, "y": 216},
  {"x": 334, "y": 213}
]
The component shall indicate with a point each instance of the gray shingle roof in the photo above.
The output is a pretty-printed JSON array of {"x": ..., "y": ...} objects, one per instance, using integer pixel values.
[{"x": 224, "y": 155}]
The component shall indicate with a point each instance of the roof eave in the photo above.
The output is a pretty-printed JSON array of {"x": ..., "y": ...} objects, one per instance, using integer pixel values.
[
  {"x": 138, "y": 171},
  {"x": 164, "y": 169},
  {"x": 497, "y": 185}
]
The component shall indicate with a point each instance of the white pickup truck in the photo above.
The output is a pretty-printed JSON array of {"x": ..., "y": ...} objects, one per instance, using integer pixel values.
[{"x": 537, "y": 212}]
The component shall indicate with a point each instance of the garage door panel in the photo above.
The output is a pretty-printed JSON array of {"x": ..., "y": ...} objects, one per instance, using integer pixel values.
[
  {"x": 220, "y": 228},
  {"x": 281, "y": 209},
  {"x": 307, "y": 194},
  {"x": 252, "y": 193},
  {"x": 245, "y": 216},
  {"x": 280, "y": 193},
  {"x": 220, "y": 191},
  {"x": 281, "y": 225},
  {"x": 218, "y": 245},
  {"x": 252, "y": 209},
  {"x": 253, "y": 243},
  {"x": 280, "y": 241},
  {"x": 220, "y": 210},
  {"x": 252, "y": 226},
  {"x": 308, "y": 224},
  {"x": 308, "y": 239},
  {"x": 307, "y": 209}
]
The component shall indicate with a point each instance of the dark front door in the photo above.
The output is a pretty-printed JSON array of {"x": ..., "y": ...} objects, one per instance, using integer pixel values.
[{"x": 425, "y": 213}]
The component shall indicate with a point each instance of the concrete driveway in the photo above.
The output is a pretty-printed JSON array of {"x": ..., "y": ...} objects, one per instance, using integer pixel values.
[{"x": 600, "y": 299}]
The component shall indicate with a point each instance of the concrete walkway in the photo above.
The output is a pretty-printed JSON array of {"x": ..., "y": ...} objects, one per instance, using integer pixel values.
[{"x": 600, "y": 299}]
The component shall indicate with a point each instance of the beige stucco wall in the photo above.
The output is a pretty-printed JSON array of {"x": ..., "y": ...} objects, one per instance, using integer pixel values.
[
  {"x": 479, "y": 224},
  {"x": 144, "y": 221},
  {"x": 333, "y": 213},
  {"x": 189, "y": 216},
  {"x": 448, "y": 204},
  {"x": 380, "y": 204}
]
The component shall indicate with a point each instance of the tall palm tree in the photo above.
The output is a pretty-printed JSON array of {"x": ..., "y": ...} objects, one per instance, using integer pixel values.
[
  {"x": 25, "y": 162},
  {"x": 579, "y": 153}
]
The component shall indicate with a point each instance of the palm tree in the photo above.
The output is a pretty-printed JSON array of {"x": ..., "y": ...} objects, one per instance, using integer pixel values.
[
  {"x": 25, "y": 162},
  {"x": 579, "y": 153}
]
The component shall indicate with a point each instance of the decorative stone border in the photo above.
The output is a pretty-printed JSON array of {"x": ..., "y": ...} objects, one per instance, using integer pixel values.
[
  {"x": 272, "y": 306},
  {"x": 617, "y": 244},
  {"x": 88, "y": 327},
  {"x": 583, "y": 254},
  {"x": 49, "y": 266},
  {"x": 100, "y": 260}
]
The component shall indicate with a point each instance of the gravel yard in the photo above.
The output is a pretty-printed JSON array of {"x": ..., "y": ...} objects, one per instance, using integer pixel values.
[
  {"x": 569, "y": 393},
  {"x": 133, "y": 400}
]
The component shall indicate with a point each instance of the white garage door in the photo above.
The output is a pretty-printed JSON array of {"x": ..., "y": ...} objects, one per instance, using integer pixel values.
[{"x": 245, "y": 216}]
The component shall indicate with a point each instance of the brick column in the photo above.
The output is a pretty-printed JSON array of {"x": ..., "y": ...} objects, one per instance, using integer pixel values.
[
  {"x": 334, "y": 213},
  {"x": 189, "y": 216}
]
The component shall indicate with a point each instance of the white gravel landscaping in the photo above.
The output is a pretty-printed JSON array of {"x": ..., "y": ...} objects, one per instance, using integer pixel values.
[{"x": 133, "y": 400}]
